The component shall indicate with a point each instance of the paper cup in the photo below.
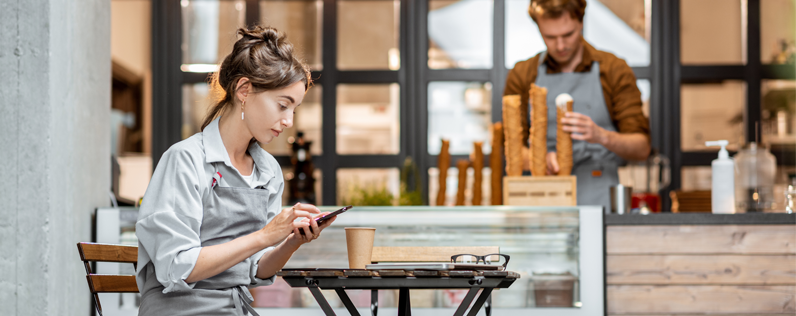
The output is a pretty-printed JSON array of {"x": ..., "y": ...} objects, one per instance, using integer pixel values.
[{"x": 359, "y": 241}]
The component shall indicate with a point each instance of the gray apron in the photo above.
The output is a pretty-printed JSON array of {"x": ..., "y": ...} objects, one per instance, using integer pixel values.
[
  {"x": 229, "y": 213},
  {"x": 594, "y": 165}
]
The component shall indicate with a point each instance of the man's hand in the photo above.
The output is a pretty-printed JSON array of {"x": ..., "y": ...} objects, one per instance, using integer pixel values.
[
  {"x": 552, "y": 163},
  {"x": 583, "y": 128},
  {"x": 629, "y": 146},
  {"x": 526, "y": 158}
]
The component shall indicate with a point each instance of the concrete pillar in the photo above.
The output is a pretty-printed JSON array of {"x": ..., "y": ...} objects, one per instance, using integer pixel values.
[{"x": 54, "y": 148}]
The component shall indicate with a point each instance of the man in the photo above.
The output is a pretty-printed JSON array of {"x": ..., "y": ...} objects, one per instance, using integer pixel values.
[{"x": 607, "y": 124}]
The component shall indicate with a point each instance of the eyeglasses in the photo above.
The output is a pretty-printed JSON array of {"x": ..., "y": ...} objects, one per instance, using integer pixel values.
[{"x": 498, "y": 258}]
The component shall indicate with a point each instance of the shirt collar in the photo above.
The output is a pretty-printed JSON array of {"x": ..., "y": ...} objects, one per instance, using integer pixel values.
[
  {"x": 261, "y": 159},
  {"x": 585, "y": 63},
  {"x": 216, "y": 152},
  {"x": 214, "y": 146}
]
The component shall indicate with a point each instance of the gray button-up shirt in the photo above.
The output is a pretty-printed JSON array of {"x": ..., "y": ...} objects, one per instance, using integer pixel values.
[{"x": 171, "y": 213}]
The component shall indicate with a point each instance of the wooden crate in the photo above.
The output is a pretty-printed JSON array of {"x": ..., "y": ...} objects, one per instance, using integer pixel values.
[{"x": 540, "y": 191}]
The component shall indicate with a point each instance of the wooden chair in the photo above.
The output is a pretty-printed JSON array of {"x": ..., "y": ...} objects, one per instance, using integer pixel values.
[
  {"x": 106, "y": 283},
  {"x": 424, "y": 254}
]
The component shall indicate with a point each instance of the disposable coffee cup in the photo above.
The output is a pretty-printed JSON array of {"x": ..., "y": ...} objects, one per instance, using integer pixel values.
[{"x": 359, "y": 241}]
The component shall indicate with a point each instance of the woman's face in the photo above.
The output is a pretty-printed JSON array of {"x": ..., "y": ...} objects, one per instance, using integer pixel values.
[{"x": 269, "y": 113}]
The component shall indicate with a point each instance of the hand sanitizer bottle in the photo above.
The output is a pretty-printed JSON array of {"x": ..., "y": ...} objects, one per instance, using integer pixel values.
[{"x": 722, "y": 194}]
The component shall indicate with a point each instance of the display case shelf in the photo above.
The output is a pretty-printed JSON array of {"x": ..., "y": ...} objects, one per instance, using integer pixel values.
[{"x": 552, "y": 240}]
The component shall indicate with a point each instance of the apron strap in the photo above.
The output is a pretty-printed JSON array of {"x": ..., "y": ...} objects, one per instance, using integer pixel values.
[{"x": 243, "y": 299}]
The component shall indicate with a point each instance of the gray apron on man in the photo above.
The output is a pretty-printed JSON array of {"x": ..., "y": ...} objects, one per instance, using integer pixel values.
[
  {"x": 594, "y": 165},
  {"x": 229, "y": 213}
]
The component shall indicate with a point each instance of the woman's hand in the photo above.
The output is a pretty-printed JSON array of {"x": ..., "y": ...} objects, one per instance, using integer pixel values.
[
  {"x": 311, "y": 231},
  {"x": 285, "y": 223}
]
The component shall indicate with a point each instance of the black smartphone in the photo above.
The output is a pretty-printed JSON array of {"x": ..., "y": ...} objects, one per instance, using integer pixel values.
[{"x": 320, "y": 220}]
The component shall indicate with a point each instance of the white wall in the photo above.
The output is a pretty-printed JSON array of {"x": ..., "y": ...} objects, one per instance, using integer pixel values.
[{"x": 55, "y": 149}]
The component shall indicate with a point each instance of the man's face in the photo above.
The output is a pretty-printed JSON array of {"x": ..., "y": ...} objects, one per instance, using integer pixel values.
[{"x": 562, "y": 36}]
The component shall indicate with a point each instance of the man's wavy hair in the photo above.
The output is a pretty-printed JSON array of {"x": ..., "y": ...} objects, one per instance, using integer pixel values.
[{"x": 556, "y": 8}]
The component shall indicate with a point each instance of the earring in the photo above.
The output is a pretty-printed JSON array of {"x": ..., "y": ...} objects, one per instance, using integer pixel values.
[{"x": 241, "y": 109}]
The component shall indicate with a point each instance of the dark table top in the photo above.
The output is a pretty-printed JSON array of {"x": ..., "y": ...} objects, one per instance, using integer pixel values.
[
  {"x": 395, "y": 279},
  {"x": 701, "y": 219}
]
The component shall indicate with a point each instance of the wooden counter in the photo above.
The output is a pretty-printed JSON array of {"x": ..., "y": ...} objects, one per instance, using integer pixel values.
[{"x": 688, "y": 264}]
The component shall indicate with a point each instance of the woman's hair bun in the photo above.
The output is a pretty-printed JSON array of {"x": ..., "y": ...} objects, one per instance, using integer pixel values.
[
  {"x": 259, "y": 34},
  {"x": 265, "y": 57}
]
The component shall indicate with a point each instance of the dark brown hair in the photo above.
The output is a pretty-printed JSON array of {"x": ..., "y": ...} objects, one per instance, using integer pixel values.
[
  {"x": 555, "y": 8},
  {"x": 265, "y": 57}
]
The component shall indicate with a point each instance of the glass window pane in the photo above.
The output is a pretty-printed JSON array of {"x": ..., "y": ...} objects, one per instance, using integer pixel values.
[
  {"x": 712, "y": 111},
  {"x": 452, "y": 186},
  {"x": 778, "y": 117},
  {"x": 195, "y": 103},
  {"x": 460, "y": 34},
  {"x": 646, "y": 91},
  {"x": 620, "y": 27},
  {"x": 302, "y": 21},
  {"x": 209, "y": 29},
  {"x": 308, "y": 120},
  {"x": 371, "y": 186},
  {"x": 778, "y": 133},
  {"x": 778, "y": 31},
  {"x": 367, "y": 35},
  {"x": 288, "y": 174},
  {"x": 696, "y": 178},
  {"x": 367, "y": 119},
  {"x": 712, "y": 32},
  {"x": 460, "y": 112}
]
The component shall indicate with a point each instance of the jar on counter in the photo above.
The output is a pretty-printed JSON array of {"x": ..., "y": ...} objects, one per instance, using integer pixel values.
[{"x": 754, "y": 178}]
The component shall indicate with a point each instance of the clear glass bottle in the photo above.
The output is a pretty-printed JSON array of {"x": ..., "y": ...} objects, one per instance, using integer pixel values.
[{"x": 754, "y": 184}]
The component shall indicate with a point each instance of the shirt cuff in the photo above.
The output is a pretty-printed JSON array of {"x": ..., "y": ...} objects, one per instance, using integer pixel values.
[
  {"x": 181, "y": 268},
  {"x": 255, "y": 281}
]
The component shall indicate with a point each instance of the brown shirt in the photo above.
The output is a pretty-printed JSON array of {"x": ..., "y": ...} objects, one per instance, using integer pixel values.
[{"x": 621, "y": 94}]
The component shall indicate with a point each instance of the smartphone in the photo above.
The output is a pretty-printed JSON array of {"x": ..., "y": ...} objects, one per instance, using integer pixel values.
[{"x": 320, "y": 220}]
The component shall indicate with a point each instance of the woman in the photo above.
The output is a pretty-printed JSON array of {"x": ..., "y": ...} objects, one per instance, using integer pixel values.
[{"x": 210, "y": 226}]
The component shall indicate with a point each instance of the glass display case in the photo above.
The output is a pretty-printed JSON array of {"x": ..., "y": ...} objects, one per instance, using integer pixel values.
[{"x": 557, "y": 250}]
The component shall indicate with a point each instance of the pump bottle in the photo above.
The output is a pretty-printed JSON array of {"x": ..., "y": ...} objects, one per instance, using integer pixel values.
[{"x": 722, "y": 194}]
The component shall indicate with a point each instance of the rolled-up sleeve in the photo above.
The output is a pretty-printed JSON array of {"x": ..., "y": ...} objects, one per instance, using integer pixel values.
[{"x": 170, "y": 219}]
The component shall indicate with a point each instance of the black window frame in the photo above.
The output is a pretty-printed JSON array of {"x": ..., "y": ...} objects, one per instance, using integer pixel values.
[{"x": 665, "y": 74}]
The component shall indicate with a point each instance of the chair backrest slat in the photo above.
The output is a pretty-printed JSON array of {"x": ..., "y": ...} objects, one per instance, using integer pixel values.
[
  {"x": 107, "y": 253},
  {"x": 104, "y": 283},
  {"x": 426, "y": 254}
]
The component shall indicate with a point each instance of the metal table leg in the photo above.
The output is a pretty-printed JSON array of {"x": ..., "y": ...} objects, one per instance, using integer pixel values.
[
  {"x": 486, "y": 293},
  {"x": 347, "y": 302},
  {"x": 466, "y": 301},
  {"x": 488, "y": 305},
  {"x": 316, "y": 292},
  {"x": 374, "y": 302},
  {"x": 404, "y": 305}
]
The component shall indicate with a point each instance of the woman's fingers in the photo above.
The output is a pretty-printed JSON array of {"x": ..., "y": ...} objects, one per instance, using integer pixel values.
[
  {"x": 315, "y": 229},
  {"x": 327, "y": 223},
  {"x": 307, "y": 208},
  {"x": 304, "y": 214}
]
